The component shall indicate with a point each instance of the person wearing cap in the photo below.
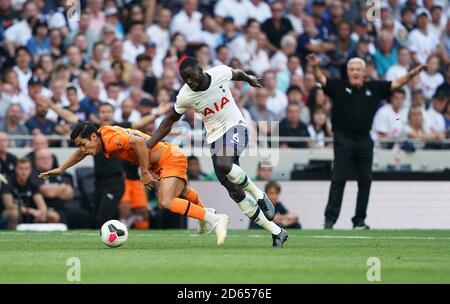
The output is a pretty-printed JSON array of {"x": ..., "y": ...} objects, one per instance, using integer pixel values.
[
  {"x": 355, "y": 102},
  {"x": 39, "y": 123},
  {"x": 421, "y": 42},
  {"x": 39, "y": 43},
  {"x": 229, "y": 31},
  {"x": 28, "y": 98},
  {"x": 112, "y": 17},
  {"x": 363, "y": 49}
]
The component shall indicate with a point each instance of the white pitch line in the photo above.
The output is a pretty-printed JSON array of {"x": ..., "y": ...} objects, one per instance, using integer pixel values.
[{"x": 375, "y": 237}]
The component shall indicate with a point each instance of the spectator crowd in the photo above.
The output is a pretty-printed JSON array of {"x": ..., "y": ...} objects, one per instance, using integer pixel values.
[{"x": 59, "y": 67}]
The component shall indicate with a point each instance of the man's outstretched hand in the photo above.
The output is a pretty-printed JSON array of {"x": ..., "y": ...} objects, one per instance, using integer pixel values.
[
  {"x": 254, "y": 82},
  {"x": 48, "y": 174}
]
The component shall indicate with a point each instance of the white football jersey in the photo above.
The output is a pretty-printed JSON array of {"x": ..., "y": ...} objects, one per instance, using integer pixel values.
[{"x": 216, "y": 105}]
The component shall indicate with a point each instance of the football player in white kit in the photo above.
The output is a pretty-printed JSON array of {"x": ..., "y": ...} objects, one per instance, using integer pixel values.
[{"x": 208, "y": 93}]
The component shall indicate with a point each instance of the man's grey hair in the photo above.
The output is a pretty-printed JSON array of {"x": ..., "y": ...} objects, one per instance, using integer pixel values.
[{"x": 356, "y": 60}]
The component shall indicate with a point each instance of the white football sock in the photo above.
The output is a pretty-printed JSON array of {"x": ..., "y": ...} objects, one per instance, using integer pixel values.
[
  {"x": 249, "y": 208},
  {"x": 238, "y": 177}
]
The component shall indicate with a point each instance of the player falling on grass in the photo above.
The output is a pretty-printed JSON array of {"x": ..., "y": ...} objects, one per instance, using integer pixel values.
[
  {"x": 164, "y": 159},
  {"x": 208, "y": 93}
]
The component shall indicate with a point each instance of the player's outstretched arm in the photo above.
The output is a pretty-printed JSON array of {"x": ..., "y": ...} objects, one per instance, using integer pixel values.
[
  {"x": 401, "y": 81},
  {"x": 74, "y": 159},
  {"x": 239, "y": 75},
  {"x": 164, "y": 128},
  {"x": 140, "y": 148},
  {"x": 314, "y": 62}
]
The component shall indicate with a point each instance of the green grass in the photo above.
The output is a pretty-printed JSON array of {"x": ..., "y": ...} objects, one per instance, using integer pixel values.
[{"x": 180, "y": 256}]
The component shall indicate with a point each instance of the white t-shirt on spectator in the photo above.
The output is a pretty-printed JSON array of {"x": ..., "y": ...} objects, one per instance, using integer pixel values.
[
  {"x": 261, "y": 12},
  {"x": 436, "y": 30},
  {"x": 19, "y": 33},
  {"x": 161, "y": 37},
  {"x": 422, "y": 45},
  {"x": 436, "y": 120},
  {"x": 297, "y": 23},
  {"x": 131, "y": 51},
  {"x": 317, "y": 137},
  {"x": 190, "y": 27},
  {"x": 278, "y": 62},
  {"x": 388, "y": 121},
  {"x": 243, "y": 50},
  {"x": 277, "y": 103},
  {"x": 395, "y": 71},
  {"x": 429, "y": 83},
  {"x": 216, "y": 105},
  {"x": 29, "y": 105},
  {"x": 234, "y": 8},
  {"x": 260, "y": 62},
  {"x": 23, "y": 78}
]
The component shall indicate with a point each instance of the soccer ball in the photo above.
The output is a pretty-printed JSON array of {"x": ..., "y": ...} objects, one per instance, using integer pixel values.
[{"x": 114, "y": 233}]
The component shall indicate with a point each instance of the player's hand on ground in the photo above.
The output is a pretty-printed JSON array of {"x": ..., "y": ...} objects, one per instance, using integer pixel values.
[
  {"x": 254, "y": 82},
  {"x": 148, "y": 180},
  {"x": 48, "y": 174},
  {"x": 313, "y": 60}
]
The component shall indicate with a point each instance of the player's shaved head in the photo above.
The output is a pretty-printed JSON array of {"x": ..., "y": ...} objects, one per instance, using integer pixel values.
[{"x": 189, "y": 62}]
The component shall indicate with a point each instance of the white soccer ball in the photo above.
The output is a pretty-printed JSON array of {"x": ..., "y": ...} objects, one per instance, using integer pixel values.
[{"x": 114, "y": 233}]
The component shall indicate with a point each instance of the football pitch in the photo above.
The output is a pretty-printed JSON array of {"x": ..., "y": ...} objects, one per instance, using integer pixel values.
[{"x": 181, "y": 256}]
